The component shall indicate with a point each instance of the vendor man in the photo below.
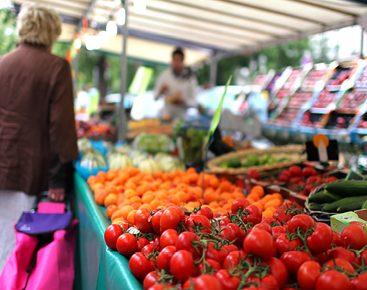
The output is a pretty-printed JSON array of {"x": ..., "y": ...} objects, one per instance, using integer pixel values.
[{"x": 177, "y": 85}]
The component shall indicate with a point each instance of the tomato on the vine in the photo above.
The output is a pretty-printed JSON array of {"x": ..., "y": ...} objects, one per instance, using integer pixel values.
[
  {"x": 340, "y": 263},
  {"x": 185, "y": 242},
  {"x": 360, "y": 282},
  {"x": 277, "y": 231},
  {"x": 279, "y": 271},
  {"x": 168, "y": 238},
  {"x": 252, "y": 214},
  {"x": 182, "y": 265},
  {"x": 164, "y": 257},
  {"x": 155, "y": 220},
  {"x": 139, "y": 265},
  {"x": 227, "y": 281},
  {"x": 354, "y": 236},
  {"x": 321, "y": 238},
  {"x": 333, "y": 280},
  {"x": 204, "y": 282},
  {"x": 209, "y": 266},
  {"x": 170, "y": 218},
  {"x": 260, "y": 243},
  {"x": 342, "y": 253},
  {"x": 205, "y": 211},
  {"x": 232, "y": 260},
  {"x": 263, "y": 226},
  {"x": 301, "y": 221},
  {"x": 239, "y": 204},
  {"x": 307, "y": 275},
  {"x": 196, "y": 221},
  {"x": 126, "y": 244},
  {"x": 142, "y": 220},
  {"x": 283, "y": 244},
  {"x": 142, "y": 242},
  {"x": 150, "y": 279},
  {"x": 111, "y": 235},
  {"x": 147, "y": 250},
  {"x": 269, "y": 282},
  {"x": 229, "y": 232},
  {"x": 294, "y": 259}
]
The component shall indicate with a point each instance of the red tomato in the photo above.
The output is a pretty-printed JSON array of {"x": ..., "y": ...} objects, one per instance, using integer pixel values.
[
  {"x": 156, "y": 221},
  {"x": 295, "y": 171},
  {"x": 360, "y": 282},
  {"x": 354, "y": 236},
  {"x": 111, "y": 235},
  {"x": 182, "y": 265},
  {"x": 263, "y": 226},
  {"x": 301, "y": 221},
  {"x": 269, "y": 282},
  {"x": 342, "y": 253},
  {"x": 294, "y": 259},
  {"x": 170, "y": 218},
  {"x": 283, "y": 244},
  {"x": 215, "y": 254},
  {"x": 239, "y": 204},
  {"x": 277, "y": 231},
  {"x": 333, "y": 280},
  {"x": 142, "y": 242},
  {"x": 337, "y": 239},
  {"x": 196, "y": 221},
  {"x": 142, "y": 220},
  {"x": 162, "y": 287},
  {"x": 185, "y": 242},
  {"x": 362, "y": 258},
  {"x": 260, "y": 243},
  {"x": 168, "y": 238},
  {"x": 232, "y": 260},
  {"x": 147, "y": 250},
  {"x": 207, "y": 282},
  {"x": 279, "y": 271},
  {"x": 139, "y": 265},
  {"x": 164, "y": 257},
  {"x": 320, "y": 240},
  {"x": 339, "y": 263},
  {"x": 307, "y": 275},
  {"x": 224, "y": 220},
  {"x": 252, "y": 215},
  {"x": 227, "y": 281},
  {"x": 127, "y": 244},
  {"x": 150, "y": 279},
  {"x": 229, "y": 232},
  {"x": 308, "y": 171},
  {"x": 206, "y": 211},
  {"x": 209, "y": 266}
]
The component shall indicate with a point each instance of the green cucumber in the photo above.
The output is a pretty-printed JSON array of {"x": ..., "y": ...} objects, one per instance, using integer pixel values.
[
  {"x": 345, "y": 203},
  {"x": 315, "y": 206},
  {"x": 323, "y": 197},
  {"x": 347, "y": 187}
]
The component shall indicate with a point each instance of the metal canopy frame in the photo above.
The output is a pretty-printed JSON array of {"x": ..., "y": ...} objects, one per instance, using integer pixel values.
[{"x": 215, "y": 27}]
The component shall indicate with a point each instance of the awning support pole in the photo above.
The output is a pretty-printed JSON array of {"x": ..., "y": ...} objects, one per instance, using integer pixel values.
[
  {"x": 213, "y": 70},
  {"x": 122, "y": 119},
  {"x": 362, "y": 42}
]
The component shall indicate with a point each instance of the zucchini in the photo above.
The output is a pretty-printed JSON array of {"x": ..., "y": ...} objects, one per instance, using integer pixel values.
[
  {"x": 315, "y": 206},
  {"x": 323, "y": 197},
  {"x": 347, "y": 187},
  {"x": 345, "y": 203}
]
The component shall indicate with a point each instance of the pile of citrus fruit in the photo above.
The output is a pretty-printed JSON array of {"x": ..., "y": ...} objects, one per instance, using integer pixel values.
[{"x": 125, "y": 191}]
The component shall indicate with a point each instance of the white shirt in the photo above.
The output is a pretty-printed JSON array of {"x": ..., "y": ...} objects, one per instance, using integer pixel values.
[{"x": 186, "y": 87}]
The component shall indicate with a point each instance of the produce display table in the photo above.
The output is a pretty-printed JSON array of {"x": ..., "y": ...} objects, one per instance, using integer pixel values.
[{"x": 97, "y": 267}]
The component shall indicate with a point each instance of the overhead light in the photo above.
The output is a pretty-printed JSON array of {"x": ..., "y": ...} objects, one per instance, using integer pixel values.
[
  {"x": 111, "y": 28},
  {"x": 92, "y": 42},
  {"x": 140, "y": 6},
  {"x": 120, "y": 16}
]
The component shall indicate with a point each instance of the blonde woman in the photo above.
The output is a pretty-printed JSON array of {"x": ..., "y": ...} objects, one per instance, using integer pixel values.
[{"x": 37, "y": 128}]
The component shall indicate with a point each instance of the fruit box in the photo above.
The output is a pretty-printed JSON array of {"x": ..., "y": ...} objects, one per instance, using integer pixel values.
[{"x": 339, "y": 221}]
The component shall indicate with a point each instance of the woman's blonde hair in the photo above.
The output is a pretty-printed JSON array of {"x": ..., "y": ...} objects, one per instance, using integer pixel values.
[{"x": 38, "y": 25}]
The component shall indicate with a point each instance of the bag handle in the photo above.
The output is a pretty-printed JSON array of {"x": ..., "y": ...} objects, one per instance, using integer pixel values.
[{"x": 44, "y": 195}]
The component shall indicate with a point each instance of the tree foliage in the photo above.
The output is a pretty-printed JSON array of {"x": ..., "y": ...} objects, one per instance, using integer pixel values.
[{"x": 7, "y": 30}]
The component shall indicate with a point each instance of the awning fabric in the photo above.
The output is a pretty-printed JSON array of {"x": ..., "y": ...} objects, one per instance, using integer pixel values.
[{"x": 207, "y": 26}]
